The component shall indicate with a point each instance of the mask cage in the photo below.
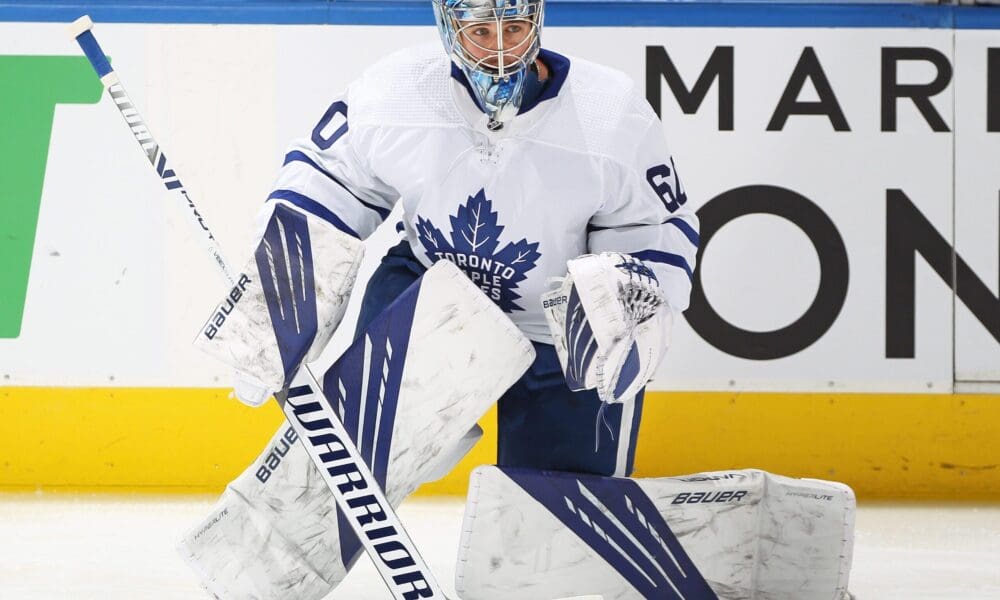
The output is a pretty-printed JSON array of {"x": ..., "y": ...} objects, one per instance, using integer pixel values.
[{"x": 513, "y": 52}]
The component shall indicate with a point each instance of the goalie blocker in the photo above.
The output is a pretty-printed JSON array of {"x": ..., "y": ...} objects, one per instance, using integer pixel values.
[
  {"x": 730, "y": 535},
  {"x": 407, "y": 390},
  {"x": 286, "y": 303}
]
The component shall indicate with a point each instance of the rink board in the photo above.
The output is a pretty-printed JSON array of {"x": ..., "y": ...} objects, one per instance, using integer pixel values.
[
  {"x": 939, "y": 446},
  {"x": 812, "y": 352}
]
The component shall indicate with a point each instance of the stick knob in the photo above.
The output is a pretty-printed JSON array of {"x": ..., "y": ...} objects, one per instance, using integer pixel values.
[{"x": 80, "y": 26}]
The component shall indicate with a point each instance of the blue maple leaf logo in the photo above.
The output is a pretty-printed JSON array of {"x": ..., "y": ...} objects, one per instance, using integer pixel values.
[{"x": 475, "y": 239}]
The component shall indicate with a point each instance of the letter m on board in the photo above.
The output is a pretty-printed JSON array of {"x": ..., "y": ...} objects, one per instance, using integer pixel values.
[{"x": 719, "y": 68}]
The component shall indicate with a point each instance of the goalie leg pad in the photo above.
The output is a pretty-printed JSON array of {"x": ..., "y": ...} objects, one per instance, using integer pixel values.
[
  {"x": 287, "y": 301},
  {"x": 407, "y": 390},
  {"x": 450, "y": 459},
  {"x": 741, "y": 534},
  {"x": 267, "y": 531}
]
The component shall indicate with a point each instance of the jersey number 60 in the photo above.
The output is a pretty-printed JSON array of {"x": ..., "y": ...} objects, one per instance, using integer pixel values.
[{"x": 667, "y": 185}]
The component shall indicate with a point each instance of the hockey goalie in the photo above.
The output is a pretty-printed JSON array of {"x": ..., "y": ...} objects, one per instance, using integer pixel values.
[{"x": 546, "y": 248}]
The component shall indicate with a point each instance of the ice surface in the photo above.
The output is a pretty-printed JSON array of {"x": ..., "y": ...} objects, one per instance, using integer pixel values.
[{"x": 116, "y": 547}]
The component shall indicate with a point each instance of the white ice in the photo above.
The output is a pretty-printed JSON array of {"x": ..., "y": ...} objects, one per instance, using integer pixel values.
[{"x": 116, "y": 547}]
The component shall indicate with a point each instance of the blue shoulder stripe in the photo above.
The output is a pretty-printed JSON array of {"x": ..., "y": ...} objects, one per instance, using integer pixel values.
[
  {"x": 296, "y": 156},
  {"x": 667, "y": 258},
  {"x": 311, "y": 206},
  {"x": 686, "y": 229}
]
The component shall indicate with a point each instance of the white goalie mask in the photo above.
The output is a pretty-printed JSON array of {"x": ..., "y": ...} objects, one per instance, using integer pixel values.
[{"x": 494, "y": 42}]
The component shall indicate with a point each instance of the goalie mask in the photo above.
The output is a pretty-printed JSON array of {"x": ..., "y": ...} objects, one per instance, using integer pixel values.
[{"x": 494, "y": 42}]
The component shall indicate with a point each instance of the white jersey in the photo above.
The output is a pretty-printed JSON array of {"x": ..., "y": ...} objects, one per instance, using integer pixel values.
[{"x": 584, "y": 169}]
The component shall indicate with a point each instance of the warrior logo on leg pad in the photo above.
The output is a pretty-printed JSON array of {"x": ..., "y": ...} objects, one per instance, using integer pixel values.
[{"x": 368, "y": 510}]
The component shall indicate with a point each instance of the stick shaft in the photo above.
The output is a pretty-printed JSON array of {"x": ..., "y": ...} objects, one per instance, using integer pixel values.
[
  {"x": 306, "y": 407},
  {"x": 143, "y": 136},
  {"x": 356, "y": 490}
]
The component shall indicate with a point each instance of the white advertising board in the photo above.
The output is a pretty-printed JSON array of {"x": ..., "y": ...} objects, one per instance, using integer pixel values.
[
  {"x": 799, "y": 191},
  {"x": 977, "y": 207}
]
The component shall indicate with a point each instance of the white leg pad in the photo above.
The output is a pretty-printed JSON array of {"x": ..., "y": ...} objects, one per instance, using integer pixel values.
[
  {"x": 451, "y": 459},
  {"x": 431, "y": 365},
  {"x": 734, "y": 535}
]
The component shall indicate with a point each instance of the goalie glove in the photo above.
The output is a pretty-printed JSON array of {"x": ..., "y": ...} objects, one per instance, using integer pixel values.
[
  {"x": 286, "y": 303},
  {"x": 610, "y": 324}
]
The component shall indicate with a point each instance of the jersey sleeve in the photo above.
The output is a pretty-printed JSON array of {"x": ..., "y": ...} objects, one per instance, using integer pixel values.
[
  {"x": 648, "y": 216},
  {"x": 328, "y": 175}
]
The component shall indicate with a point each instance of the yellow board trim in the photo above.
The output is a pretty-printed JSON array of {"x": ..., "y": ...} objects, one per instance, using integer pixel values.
[{"x": 196, "y": 440}]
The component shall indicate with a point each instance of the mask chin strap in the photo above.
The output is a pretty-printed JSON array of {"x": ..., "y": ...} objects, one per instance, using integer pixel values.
[
  {"x": 500, "y": 99},
  {"x": 531, "y": 89}
]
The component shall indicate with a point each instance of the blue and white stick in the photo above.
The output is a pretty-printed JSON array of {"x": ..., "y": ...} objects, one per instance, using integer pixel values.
[
  {"x": 326, "y": 439},
  {"x": 81, "y": 31}
]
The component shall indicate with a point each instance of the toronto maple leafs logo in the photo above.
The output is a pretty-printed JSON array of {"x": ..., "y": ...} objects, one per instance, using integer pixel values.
[
  {"x": 475, "y": 238},
  {"x": 634, "y": 267}
]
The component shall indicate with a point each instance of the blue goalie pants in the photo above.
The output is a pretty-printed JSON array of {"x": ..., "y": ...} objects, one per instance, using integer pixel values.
[{"x": 541, "y": 423}]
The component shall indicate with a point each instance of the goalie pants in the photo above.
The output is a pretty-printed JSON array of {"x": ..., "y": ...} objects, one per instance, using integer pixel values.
[{"x": 541, "y": 423}]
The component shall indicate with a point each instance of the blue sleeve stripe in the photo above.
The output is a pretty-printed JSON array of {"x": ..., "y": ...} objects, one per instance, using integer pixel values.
[
  {"x": 677, "y": 222},
  {"x": 311, "y": 206},
  {"x": 686, "y": 229},
  {"x": 296, "y": 156},
  {"x": 665, "y": 258}
]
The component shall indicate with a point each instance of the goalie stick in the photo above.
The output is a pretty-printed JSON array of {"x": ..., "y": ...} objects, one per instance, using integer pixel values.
[{"x": 305, "y": 406}]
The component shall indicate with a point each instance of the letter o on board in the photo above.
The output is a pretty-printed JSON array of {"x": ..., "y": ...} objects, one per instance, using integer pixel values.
[{"x": 833, "y": 281}]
